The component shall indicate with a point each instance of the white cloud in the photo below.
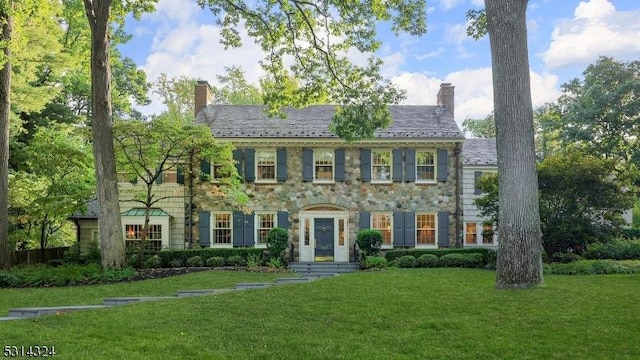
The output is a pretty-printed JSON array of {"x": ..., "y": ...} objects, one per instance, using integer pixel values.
[
  {"x": 473, "y": 90},
  {"x": 456, "y": 34},
  {"x": 596, "y": 29},
  {"x": 450, "y": 4}
]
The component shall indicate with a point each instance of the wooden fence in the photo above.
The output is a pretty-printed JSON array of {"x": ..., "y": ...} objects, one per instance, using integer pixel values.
[{"x": 34, "y": 256}]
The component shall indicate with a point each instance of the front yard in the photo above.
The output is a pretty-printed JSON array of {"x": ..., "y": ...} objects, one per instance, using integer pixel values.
[{"x": 393, "y": 314}]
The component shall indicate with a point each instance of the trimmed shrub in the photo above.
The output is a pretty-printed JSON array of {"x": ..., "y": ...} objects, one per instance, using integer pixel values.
[
  {"x": 630, "y": 233},
  {"x": 176, "y": 263},
  {"x": 9, "y": 279},
  {"x": 236, "y": 260},
  {"x": 215, "y": 261},
  {"x": 615, "y": 250},
  {"x": 182, "y": 255},
  {"x": 195, "y": 261},
  {"x": 407, "y": 261},
  {"x": 369, "y": 242},
  {"x": 565, "y": 257},
  {"x": 152, "y": 262},
  {"x": 427, "y": 261},
  {"x": 277, "y": 241},
  {"x": 374, "y": 262},
  {"x": 472, "y": 260},
  {"x": 594, "y": 267},
  {"x": 489, "y": 255}
]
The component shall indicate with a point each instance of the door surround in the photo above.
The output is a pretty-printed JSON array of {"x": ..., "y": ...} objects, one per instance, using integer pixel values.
[{"x": 307, "y": 240}]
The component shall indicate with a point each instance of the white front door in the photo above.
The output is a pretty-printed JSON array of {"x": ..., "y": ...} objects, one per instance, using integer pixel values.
[{"x": 324, "y": 236}]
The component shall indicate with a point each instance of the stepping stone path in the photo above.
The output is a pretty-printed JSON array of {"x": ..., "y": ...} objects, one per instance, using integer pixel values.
[{"x": 24, "y": 313}]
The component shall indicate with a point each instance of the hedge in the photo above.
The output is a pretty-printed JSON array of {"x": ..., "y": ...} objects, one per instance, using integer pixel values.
[
  {"x": 169, "y": 257},
  {"x": 615, "y": 250},
  {"x": 594, "y": 267},
  {"x": 488, "y": 255}
]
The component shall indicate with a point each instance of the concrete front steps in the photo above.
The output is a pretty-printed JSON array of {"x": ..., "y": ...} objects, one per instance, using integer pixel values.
[{"x": 322, "y": 269}]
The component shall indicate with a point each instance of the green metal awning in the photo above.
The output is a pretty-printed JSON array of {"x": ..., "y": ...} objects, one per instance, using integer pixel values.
[{"x": 141, "y": 211}]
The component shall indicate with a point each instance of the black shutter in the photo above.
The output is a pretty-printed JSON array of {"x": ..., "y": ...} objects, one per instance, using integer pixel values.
[
  {"x": 238, "y": 228},
  {"x": 365, "y": 165},
  {"x": 281, "y": 164},
  {"x": 365, "y": 220},
  {"x": 283, "y": 219},
  {"x": 307, "y": 164},
  {"x": 248, "y": 230},
  {"x": 396, "y": 171},
  {"x": 180, "y": 175},
  {"x": 410, "y": 229},
  {"x": 204, "y": 228},
  {"x": 160, "y": 177},
  {"x": 398, "y": 228},
  {"x": 410, "y": 165},
  {"x": 443, "y": 164},
  {"x": 340, "y": 167},
  {"x": 476, "y": 176},
  {"x": 443, "y": 228},
  {"x": 237, "y": 158},
  {"x": 250, "y": 165},
  {"x": 205, "y": 169}
]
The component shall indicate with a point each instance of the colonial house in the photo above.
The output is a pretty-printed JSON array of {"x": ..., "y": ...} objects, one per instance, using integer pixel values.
[
  {"x": 411, "y": 182},
  {"x": 298, "y": 175},
  {"x": 479, "y": 156}
]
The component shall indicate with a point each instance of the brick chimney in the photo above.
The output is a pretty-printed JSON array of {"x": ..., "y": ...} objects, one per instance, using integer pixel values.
[
  {"x": 202, "y": 96},
  {"x": 446, "y": 97}
]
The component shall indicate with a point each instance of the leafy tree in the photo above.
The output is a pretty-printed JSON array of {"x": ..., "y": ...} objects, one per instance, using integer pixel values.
[
  {"x": 601, "y": 113},
  {"x": 145, "y": 149},
  {"x": 176, "y": 94},
  {"x": 581, "y": 202},
  {"x": 58, "y": 179},
  {"x": 235, "y": 89},
  {"x": 520, "y": 245},
  {"x": 546, "y": 119},
  {"x": 480, "y": 128},
  {"x": 317, "y": 36}
]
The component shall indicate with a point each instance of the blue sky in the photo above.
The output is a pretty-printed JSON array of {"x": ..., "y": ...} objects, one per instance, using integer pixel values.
[{"x": 565, "y": 36}]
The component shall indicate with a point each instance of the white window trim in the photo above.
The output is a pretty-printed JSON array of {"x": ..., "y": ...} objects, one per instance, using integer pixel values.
[
  {"x": 390, "y": 179},
  {"x": 435, "y": 233},
  {"x": 333, "y": 167},
  {"x": 256, "y": 222},
  {"x": 213, "y": 228},
  {"x": 479, "y": 239},
  {"x": 435, "y": 167},
  {"x": 390, "y": 214},
  {"x": 275, "y": 167},
  {"x": 163, "y": 221},
  {"x": 212, "y": 172}
]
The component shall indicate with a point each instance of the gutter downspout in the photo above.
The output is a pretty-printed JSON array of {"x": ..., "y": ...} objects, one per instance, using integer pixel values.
[
  {"x": 456, "y": 152},
  {"x": 190, "y": 202}
]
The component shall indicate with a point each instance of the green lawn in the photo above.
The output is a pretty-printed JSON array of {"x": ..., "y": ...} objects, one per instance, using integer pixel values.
[{"x": 394, "y": 314}]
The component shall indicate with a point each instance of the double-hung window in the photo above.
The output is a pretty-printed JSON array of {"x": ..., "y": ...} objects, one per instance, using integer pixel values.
[
  {"x": 383, "y": 223},
  {"x": 265, "y": 165},
  {"x": 425, "y": 229},
  {"x": 221, "y": 225},
  {"x": 425, "y": 166},
  {"x": 216, "y": 172},
  {"x": 323, "y": 165},
  {"x": 133, "y": 236},
  {"x": 264, "y": 223},
  {"x": 381, "y": 166},
  {"x": 487, "y": 234},
  {"x": 470, "y": 233}
]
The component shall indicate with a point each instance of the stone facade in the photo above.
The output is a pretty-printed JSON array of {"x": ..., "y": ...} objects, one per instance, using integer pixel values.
[{"x": 353, "y": 195}]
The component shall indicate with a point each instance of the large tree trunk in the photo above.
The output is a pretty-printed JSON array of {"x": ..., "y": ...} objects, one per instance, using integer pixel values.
[
  {"x": 109, "y": 221},
  {"x": 5, "y": 109},
  {"x": 520, "y": 246}
]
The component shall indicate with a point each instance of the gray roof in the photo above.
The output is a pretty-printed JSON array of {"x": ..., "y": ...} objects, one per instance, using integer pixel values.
[
  {"x": 251, "y": 121},
  {"x": 479, "y": 152},
  {"x": 91, "y": 213}
]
